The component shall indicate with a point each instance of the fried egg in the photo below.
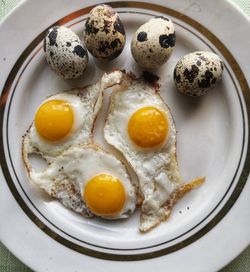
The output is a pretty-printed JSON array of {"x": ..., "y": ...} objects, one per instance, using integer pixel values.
[
  {"x": 141, "y": 127},
  {"x": 89, "y": 181},
  {"x": 66, "y": 119}
]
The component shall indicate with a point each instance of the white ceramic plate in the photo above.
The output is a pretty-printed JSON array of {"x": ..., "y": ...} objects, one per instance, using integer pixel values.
[{"x": 210, "y": 226}]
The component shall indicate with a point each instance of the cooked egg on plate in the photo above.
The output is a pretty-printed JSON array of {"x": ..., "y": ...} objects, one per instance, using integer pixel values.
[
  {"x": 141, "y": 127},
  {"x": 89, "y": 181},
  {"x": 65, "y": 119}
]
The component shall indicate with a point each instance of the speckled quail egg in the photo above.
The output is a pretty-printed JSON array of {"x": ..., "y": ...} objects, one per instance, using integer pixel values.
[
  {"x": 197, "y": 72},
  {"x": 153, "y": 42},
  {"x": 104, "y": 33},
  {"x": 65, "y": 52}
]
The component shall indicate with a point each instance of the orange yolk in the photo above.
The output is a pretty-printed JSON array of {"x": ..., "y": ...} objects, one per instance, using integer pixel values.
[
  {"x": 104, "y": 195},
  {"x": 148, "y": 127},
  {"x": 54, "y": 120}
]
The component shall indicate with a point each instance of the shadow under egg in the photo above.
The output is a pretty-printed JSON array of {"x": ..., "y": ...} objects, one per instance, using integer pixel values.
[
  {"x": 86, "y": 78},
  {"x": 110, "y": 65}
]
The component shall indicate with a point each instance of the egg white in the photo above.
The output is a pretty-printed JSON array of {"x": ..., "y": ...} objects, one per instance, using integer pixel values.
[
  {"x": 85, "y": 103},
  {"x": 66, "y": 178},
  {"x": 156, "y": 168}
]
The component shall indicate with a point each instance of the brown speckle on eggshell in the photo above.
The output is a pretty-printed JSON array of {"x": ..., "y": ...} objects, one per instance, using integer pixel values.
[
  {"x": 153, "y": 42},
  {"x": 104, "y": 33},
  {"x": 65, "y": 52},
  {"x": 197, "y": 72}
]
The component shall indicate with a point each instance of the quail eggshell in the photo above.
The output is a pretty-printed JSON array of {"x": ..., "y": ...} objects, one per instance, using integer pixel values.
[
  {"x": 153, "y": 42},
  {"x": 104, "y": 33},
  {"x": 65, "y": 52},
  {"x": 197, "y": 72}
]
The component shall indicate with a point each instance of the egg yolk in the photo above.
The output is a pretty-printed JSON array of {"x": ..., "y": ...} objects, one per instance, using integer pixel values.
[
  {"x": 54, "y": 120},
  {"x": 104, "y": 195},
  {"x": 148, "y": 127}
]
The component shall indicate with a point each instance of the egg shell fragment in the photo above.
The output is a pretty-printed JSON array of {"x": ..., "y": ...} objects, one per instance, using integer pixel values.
[
  {"x": 104, "y": 33},
  {"x": 65, "y": 52},
  {"x": 153, "y": 42},
  {"x": 197, "y": 72}
]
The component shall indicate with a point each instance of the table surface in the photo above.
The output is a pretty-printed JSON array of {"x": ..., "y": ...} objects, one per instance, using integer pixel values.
[{"x": 9, "y": 263}]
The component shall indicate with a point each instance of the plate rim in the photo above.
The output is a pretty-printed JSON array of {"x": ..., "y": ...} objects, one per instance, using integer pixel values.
[{"x": 19, "y": 6}]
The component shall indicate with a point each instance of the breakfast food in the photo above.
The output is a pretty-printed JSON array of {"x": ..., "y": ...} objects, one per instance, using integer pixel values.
[
  {"x": 141, "y": 127},
  {"x": 153, "y": 42},
  {"x": 65, "y": 52},
  {"x": 66, "y": 119},
  {"x": 197, "y": 72},
  {"x": 104, "y": 33},
  {"x": 89, "y": 181}
]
